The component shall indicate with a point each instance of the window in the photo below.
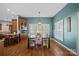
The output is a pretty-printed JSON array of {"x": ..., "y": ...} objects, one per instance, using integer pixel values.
[
  {"x": 41, "y": 28},
  {"x": 58, "y": 30}
]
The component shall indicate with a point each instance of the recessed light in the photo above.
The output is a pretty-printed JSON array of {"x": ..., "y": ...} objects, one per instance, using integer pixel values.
[
  {"x": 8, "y": 9},
  {"x": 12, "y": 12}
]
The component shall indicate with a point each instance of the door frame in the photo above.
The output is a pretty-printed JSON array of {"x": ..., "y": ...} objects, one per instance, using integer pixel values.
[{"x": 77, "y": 34}]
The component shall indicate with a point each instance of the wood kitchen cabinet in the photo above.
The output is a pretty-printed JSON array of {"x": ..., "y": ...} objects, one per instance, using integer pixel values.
[
  {"x": 14, "y": 25},
  {"x": 23, "y": 36},
  {"x": 21, "y": 23}
]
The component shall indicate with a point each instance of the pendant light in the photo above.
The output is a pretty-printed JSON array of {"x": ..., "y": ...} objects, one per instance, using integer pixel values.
[{"x": 39, "y": 18}]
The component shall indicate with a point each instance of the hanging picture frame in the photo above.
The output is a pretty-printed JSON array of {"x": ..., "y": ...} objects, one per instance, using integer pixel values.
[{"x": 69, "y": 24}]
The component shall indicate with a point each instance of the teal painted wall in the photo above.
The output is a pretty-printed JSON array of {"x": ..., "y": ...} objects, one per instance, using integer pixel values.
[
  {"x": 43, "y": 20},
  {"x": 70, "y": 38}
]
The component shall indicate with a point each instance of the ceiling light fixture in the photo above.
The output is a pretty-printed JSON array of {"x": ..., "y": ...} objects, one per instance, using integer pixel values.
[
  {"x": 8, "y": 9},
  {"x": 39, "y": 18}
]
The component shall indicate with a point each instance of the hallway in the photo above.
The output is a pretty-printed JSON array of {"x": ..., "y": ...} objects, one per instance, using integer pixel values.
[{"x": 22, "y": 50}]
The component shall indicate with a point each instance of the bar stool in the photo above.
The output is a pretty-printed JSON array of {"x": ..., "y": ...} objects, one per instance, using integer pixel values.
[{"x": 6, "y": 42}]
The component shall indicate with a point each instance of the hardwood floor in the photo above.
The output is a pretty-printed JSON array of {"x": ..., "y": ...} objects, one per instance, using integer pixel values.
[
  {"x": 1, "y": 48},
  {"x": 21, "y": 49}
]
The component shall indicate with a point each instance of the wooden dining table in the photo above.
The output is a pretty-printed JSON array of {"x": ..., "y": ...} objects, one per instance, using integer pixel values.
[{"x": 44, "y": 39}]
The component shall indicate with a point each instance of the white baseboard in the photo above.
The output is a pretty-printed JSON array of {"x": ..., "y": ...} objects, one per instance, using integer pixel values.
[{"x": 65, "y": 47}]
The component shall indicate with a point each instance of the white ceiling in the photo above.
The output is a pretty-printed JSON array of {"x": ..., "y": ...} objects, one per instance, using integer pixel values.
[{"x": 30, "y": 9}]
